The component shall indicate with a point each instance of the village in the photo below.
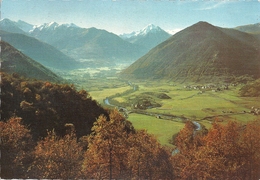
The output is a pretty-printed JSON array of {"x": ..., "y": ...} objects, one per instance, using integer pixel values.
[{"x": 212, "y": 87}]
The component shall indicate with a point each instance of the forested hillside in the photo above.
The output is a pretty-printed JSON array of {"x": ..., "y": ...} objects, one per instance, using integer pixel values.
[{"x": 43, "y": 105}]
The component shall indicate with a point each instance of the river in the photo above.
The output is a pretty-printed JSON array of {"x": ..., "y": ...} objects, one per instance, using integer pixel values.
[{"x": 170, "y": 117}]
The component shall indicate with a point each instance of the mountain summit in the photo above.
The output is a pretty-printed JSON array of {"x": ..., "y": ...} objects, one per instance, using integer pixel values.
[
  {"x": 201, "y": 52},
  {"x": 151, "y": 28},
  {"x": 148, "y": 37},
  {"x": 12, "y": 26}
]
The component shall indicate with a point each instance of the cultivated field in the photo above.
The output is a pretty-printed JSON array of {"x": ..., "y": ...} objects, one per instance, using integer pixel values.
[{"x": 176, "y": 100}]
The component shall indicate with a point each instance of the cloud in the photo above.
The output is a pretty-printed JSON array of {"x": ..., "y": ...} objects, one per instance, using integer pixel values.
[{"x": 212, "y": 5}]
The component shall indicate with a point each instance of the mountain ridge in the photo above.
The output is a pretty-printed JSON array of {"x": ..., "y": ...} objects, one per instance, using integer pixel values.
[
  {"x": 11, "y": 26},
  {"x": 201, "y": 52},
  {"x": 250, "y": 28},
  {"x": 13, "y": 61},
  {"x": 88, "y": 44},
  {"x": 43, "y": 53}
]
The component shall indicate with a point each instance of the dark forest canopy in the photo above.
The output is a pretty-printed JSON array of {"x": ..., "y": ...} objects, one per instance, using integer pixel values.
[{"x": 43, "y": 105}]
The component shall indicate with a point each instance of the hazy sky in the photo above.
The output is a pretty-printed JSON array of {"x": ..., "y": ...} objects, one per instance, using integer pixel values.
[{"x": 119, "y": 16}]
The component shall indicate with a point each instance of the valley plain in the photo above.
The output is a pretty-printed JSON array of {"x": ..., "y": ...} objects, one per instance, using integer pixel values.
[{"x": 162, "y": 107}]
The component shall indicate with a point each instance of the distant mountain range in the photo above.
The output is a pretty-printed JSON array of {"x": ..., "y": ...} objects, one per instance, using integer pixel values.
[
  {"x": 13, "y": 61},
  {"x": 200, "y": 53},
  {"x": 149, "y": 37},
  {"x": 251, "y": 28},
  {"x": 92, "y": 46}
]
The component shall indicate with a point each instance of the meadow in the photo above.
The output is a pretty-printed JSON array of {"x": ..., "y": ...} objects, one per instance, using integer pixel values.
[
  {"x": 162, "y": 129},
  {"x": 203, "y": 106}
]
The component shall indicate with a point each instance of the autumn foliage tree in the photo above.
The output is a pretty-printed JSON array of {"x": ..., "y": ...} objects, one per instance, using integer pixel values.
[
  {"x": 106, "y": 148},
  {"x": 16, "y": 146},
  {"x": 57, "y": 157},
  {"x": 188, "y": 141},
  {"x": 228, "y": 151},
  {"x": 116, "y": 150},
  {"x": 147, "y": 159},
  {"x": 251, "y": 147}
]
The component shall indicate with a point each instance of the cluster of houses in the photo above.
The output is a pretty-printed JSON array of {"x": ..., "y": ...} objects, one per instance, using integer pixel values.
[
  {"x": 255, "y": 111},
  {"x": 212, "y": 87}
]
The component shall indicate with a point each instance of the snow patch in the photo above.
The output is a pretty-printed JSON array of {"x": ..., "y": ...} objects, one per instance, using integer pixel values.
[
  {"x": 52, "y": 26},
  {"x": 151, "y": 28}
]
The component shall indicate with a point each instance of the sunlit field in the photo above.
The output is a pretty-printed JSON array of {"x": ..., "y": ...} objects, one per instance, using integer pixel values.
[
  {"x": 162, "y": 129},
  {"x": 193, "y": 104},
  {"x": 102, "y": 94}
]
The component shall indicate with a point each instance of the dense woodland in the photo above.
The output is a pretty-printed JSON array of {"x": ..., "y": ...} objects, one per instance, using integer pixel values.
[
  {"x": 44, "y": 105},
  {"x": 54, "y": 131}
]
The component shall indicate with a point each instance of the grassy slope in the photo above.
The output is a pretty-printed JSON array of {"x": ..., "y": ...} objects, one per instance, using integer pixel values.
[
  {"x": 162, "y": 129},
  {"x": 101, "y": 95}
]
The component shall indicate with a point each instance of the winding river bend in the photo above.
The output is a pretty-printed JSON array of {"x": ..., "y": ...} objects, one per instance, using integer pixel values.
[
  {"x": 106, "y": 101},
  {"x": 162, "y": 116}
]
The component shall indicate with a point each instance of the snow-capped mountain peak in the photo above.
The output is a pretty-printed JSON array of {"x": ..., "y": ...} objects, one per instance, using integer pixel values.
[
  {"x": 52, "y": 26},
  {"x": 69, "y": 25},
  {"x": 151, "y": 28},
  {"x": 127, "y": 35}
]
